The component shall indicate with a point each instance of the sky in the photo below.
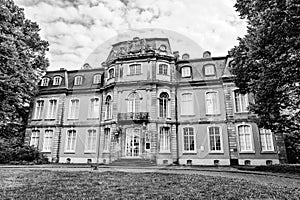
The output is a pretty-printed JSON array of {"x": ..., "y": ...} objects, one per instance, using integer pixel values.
[{"x": 82, "y": 31}]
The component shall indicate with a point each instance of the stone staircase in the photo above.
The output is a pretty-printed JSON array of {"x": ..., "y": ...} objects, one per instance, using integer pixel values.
[{"x": 130, "y": 162}]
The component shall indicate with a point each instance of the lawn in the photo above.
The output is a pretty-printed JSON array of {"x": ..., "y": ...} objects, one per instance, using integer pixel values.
[{"x": 38, "y": 184}]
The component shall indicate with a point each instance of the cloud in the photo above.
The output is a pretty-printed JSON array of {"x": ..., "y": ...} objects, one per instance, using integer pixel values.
[{"x": 75, "y": 28}]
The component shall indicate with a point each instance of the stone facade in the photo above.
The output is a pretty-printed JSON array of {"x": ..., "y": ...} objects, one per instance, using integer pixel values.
[{"x": 145, "y": 102}]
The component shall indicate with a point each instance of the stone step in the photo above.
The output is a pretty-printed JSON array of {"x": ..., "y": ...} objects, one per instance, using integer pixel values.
[{"x": 133, "y": 162}]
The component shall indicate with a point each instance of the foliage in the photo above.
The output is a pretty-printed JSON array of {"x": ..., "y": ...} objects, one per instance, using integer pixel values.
[
  {"x": 22, "y": 61},
  {"x": 16, "y": 153},
  {"x": 119, "y": 185},
  {"x": 282, "y": 168},
  {"x": 266, "y": 62}
]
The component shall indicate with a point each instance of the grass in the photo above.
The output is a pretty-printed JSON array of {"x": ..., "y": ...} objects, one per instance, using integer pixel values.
[{"x": 29, "y": 184}]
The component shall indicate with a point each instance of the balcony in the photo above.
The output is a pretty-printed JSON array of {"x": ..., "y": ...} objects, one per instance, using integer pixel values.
[{"x": 133, "y": 117}]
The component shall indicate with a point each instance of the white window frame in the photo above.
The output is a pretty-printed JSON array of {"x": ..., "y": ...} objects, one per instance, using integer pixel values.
[
  {"x": 251, "y": 139},
  {"x": 97, "y": 79},
  {"x": 221, "y": 139},
  {"x": 57, "y": 80},
  {"x": 264, "y": 141},
  {"x": 39, "y": 110},
  {"x": 91, "y": 141},
  {"x": 194, "y": 137},
  {"x": 35, "y": 138},
  {"x": 78, "y": 80},
  {"x": 168, "y": 69},
  {"x": 74, "y": 114},
  {"x": 45, "y": 81},
  {"x": 108, "y": 115},
  {"x": 217, "y": 103},
  {"x": 52, "y": 115},
  {"x": 186, "y": 71},
  {"x": 212, "y": 66},
  {"x": 135, "y": 71},
  {"x": 167, "y": 104},
  {"x": 134, "y": 104},
  {"x": 106, "y": 140},
  {"x": 72, "y": 143},
  {"x": 94, "y": 111},
  {"x": 192, "y": 104},
  {"x": 47, "y": 143},
  {"x": 165, "y": 139},
  {"x": 240, "y": 96}
]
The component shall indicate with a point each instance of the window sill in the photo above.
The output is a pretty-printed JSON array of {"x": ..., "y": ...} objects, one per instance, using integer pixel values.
[
  {"x": 191, "y": 115},
  {"x": 245, "y": 152},
  {"x": 186, "y": 76},
  {"x": 134, "y": 74},
  {"x": 268, "y": 152},
  {"x": 242, "y": 113},
  {"x": 36, "y": 119},
  {"x": 190, "y": 153},
  {"x": 165, "y": 152},
  {"x": 69, "y": 152},
  {"x": 216, "y": 152},
  {"x": 210, "y": 114},
  {"x": 47, "y": 151},
  {"x": 89, "y": 152},
  {"x": 49, "y": 119},
  {"x": 92, "y": 118},
  {"x": 72, "y": 119}
]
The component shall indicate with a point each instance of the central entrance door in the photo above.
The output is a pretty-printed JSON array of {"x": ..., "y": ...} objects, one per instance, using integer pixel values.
[{"x": 133, "y": 143}]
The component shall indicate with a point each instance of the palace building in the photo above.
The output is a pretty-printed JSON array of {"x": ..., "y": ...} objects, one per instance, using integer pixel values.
[{"x": 147, "y": 102}]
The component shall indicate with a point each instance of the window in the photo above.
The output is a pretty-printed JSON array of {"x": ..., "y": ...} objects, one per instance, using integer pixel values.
[
  {"x": 134, "y": 69},
  {"x": 39, "y": 109},
  {"x": 52, "y": 109},
  {"x": 163, "y": 105},
  {"x": 34, "y": 140},
  {"x": 164, "y": 139},
  {"x": 163, "y": 69},
  {"x": 74, "y": 109},
  {"x": 57, "y": 80},
  {"x": 212, "y": 106},
  {"x": 240, "y": 101},
  {"x": 209, "y": 70},
  {"x": 78, "y": 80},
  {"x": 48, "y": 140},
  {"x": 108, "y": 110},
  {"x": 97, "y": 78},
  {"x": 245, "y": 140},
  {"x": 134, "y": 103},
  {"x": 214, "y": 139},
  {"x": 186, "y": 72},
  {"x": 94, "y": 108},
  {"x": 266, "y": 139},
  {"x": 106, "y": 139},
  {"x": 71, "y": 140},
  {"x": 111, "y": 73},
  {"x": 188, "y": 139},
  {"x": 90, "y": 145},
  {"x": 45, "y": 81},
  {"x": 187, "y": 104}
]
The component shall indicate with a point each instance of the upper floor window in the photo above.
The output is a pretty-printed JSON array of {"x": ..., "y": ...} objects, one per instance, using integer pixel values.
[
  {"x": 90, "y": 144},
  {"x": 94, "y": 108},
  {"x": 240, "y": 101},
  {"x": 106, "y": 139},
  {"x": 163, "y": 105},
  {"x": 164, "y": 139},
  {"x": 266, "y": 139},
  {"x": 163, "y": 69},
  {"x": 45, "y": 81},
  {"x": 39, "y": 107},
  {"x": 212, "y": 103},
  {"x": 186, "y": 71},
  {"x": 78, "y": 80},
  {"x": 134, "y": 103},
  {"x": 34, "y": 140},
  {"x": 57, "y": 80},
  {"x": 135, "y": 69},
  {"x": 111, "y": 73},
  {"x": 188, "y": 139},
  {"x": 245, "y": 138},
  {"x": 52, "y": 109},
  {"x": 214, "y": 139},
  {"x": 187, "y": 104},
  {"x": 97, "y": 78},
  {"x": 70, "y": 140},
  {"x": 108, "y": 110},
  {"x": 48, "y": 140},
  {"x": 209, "y": 70},
  {"x": 74, "y": 109}
]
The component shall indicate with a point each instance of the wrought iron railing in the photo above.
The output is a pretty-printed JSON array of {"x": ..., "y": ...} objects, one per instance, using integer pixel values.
[{"x": 138, "y": 116}]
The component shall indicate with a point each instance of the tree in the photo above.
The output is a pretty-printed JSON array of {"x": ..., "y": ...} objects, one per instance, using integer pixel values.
[
  {"x": 267, "y": 63},
  {"x": 22, "y": 61}
]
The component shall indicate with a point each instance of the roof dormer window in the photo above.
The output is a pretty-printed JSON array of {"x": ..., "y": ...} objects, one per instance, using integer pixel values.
[
  {"x": 97, "y": 79},
  {"x": 186, "y": 72},
  {"x": 45, "y": 81},
  {"x": 57, "y": 80},
  {"x": 209, "y": 70},
  {"x": 78, "y": 80}
]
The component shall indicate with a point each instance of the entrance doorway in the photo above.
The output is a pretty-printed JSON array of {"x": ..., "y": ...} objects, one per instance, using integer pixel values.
[{"x": 133, "y": 143}]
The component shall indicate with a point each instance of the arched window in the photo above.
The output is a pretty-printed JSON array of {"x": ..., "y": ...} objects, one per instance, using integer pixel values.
[
  {"x": 111, "y": 73},
  {"x": 108, "y": 103},
  {"x": 45, "y": 81},
  {"x": 57, "y": 80},
  {"x": 134, "y": 103},
  {"x": 163, "y": 105},
  {"x": 78, "y": 80}
]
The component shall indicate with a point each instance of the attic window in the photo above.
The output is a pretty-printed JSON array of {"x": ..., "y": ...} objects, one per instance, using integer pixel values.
[
  {"x": 57, "y": 80},
  {"x": 209, "y": 70},
  {"x": 97, "y": 78},
  {"x": 78, "y": 80},
  {"x": 186, "y": 71},
  {"x": 45, "y": 81}
]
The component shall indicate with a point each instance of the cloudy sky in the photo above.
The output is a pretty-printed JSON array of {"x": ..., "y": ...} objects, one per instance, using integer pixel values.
[{"x": 80, "y": 30}]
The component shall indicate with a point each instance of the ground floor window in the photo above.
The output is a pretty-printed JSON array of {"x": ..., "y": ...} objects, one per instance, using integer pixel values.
[
  {"x": 106, "y": 139},
  {"x": 266, "y": 139},
  {"x": 48, "y": 140},
  {"x": 34, "y": 140},
  {"x": 215, "y": 139},
  {"x": 90, "y": 144},
  {"x": 245, "y": 138},
  {"x": 164, "y": 139},
  {"x": 71, "y": 140},
  {"x": 188, "y": 139}
]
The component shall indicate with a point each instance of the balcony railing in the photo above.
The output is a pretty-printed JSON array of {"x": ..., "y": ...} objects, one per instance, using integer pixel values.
[{"x": 136, "y": 117}]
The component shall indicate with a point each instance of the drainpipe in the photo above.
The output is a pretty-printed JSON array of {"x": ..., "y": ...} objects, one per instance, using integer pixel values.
[{"x": 100, "y": 120}]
